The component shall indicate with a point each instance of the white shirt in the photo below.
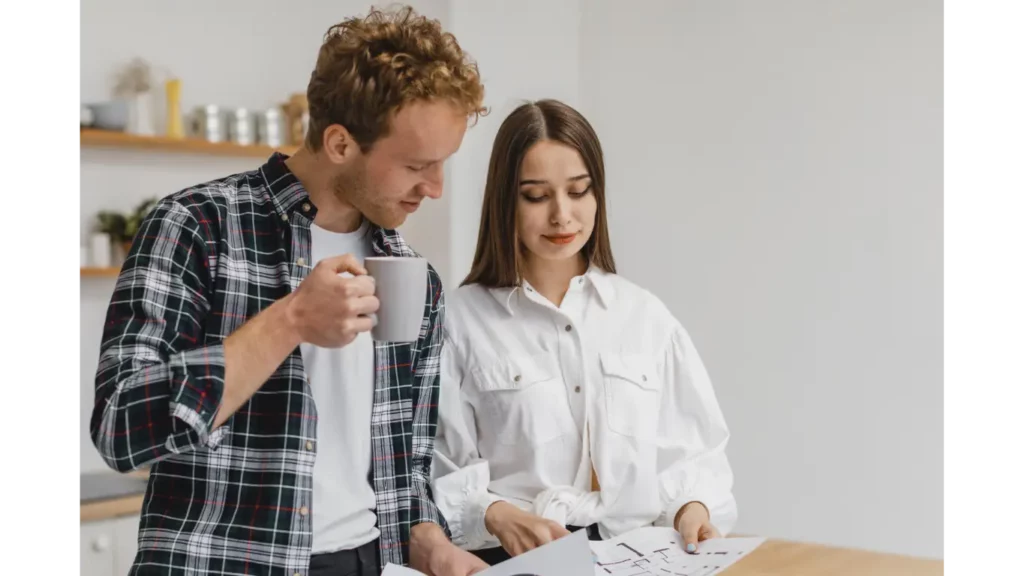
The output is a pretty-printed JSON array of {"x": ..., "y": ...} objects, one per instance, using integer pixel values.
[
  {"x": 532, "y": 393},
  {"x": 341, "y": 381}
]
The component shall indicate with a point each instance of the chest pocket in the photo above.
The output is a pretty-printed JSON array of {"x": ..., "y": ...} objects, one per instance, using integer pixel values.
[
  {"x": 632, "y": 392},
  {"x": 523, "y": 401}
]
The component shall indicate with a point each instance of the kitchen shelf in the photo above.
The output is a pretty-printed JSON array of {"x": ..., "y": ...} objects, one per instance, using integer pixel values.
[
  {"x": 123, "y": 140},
  {"x": 110, "y": 272}
]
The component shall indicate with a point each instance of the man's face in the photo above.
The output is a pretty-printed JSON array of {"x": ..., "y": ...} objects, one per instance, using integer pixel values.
[{"x": 401, "y": 169}]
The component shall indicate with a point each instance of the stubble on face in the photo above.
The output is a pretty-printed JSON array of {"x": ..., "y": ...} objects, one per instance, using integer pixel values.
[{"x": 353, "y": 187}]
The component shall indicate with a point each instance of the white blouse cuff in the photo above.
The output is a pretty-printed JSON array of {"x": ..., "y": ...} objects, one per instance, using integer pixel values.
[
  {"x": 668, "y": 518},
  {"x": 473, "y": 514}
]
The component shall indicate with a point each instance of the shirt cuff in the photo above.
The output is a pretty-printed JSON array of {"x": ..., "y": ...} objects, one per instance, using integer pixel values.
[
  {"x": 425, "y": 510},
  {"x": 197, "y": 386},
  {"x": 473, "y": 517},
  {"x": 668, "y": 519}
]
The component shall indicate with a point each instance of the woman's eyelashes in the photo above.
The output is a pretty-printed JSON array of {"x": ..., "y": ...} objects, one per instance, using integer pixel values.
[{"x": 537, "y": 198}]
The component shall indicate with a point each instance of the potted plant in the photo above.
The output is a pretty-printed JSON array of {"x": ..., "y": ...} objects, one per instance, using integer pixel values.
[
  {"x": 122, "y": 228},
  {"x": 134, "y": 221}
]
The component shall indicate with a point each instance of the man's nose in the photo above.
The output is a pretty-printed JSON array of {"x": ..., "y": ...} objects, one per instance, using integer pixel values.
[
  {"x": 434, "y": 184},
  {"x": 432, "y": 191}
]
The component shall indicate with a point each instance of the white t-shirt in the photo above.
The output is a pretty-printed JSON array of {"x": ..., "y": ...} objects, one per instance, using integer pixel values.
[{"x": 341, "y": 380}]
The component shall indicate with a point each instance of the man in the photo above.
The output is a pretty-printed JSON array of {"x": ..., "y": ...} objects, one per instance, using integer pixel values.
[{"x": 236, "y": 361}]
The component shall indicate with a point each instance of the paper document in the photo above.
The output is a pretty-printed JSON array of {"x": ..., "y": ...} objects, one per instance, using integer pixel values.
[
  {"x": 642, "y": 552},
  {"x": 659, "y": 552},
  {"x": 568, "y": 556},
  {"x": 396, "y": 570}
]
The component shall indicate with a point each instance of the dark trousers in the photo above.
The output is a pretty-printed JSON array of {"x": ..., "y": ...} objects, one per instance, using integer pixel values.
[
  {"x": 498, "y": 555},
  {"x": 362, "y": 561}
]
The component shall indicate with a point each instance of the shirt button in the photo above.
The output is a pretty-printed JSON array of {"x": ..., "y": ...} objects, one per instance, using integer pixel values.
[
  {"x": 303, "y": 511},
  {"x": 568, "y": 328},
  {"x": 644, "y": 377},
  {"x": 284, "y": 217},
  {"x": 301, "y": 261},
  {"x": 306, "y": 206},
  {"x": 528, "y": 289},
  {"x": 581, "y": 281},
  {"x": 577, "y": 389},
  {"x": 518, "y": 378},
  {"x": 309, "y": 444}
]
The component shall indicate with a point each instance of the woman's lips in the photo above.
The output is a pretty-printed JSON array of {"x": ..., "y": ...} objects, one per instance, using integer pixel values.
[{"x": 560, "y": 238}]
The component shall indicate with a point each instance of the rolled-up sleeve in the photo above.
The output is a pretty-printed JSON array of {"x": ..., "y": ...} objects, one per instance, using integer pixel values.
[
  {"x": 692, "y": 437},
  {"x": 424, "y": 424},
  {"x": 460, "y": 476},
  {"x": 157, "y": 386}
]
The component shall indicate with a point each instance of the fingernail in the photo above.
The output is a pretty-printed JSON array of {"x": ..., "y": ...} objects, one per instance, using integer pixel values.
[{"x": 691, "y": 548}]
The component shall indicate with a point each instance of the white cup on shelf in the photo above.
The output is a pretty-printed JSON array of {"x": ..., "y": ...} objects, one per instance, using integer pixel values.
[{"x": 100, "y": 250}]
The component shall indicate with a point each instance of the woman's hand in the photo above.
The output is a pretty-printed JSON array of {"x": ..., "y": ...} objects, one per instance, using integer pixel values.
[
  {"x": 520, "y": 531},
  {"x": 694, "y": 524}
]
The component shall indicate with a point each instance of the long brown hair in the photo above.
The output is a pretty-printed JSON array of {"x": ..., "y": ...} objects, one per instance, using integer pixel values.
[{"x": 497, "y": 259}]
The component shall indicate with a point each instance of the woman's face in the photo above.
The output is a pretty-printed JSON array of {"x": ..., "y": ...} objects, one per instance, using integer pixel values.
[{"x": 556, "y": 207}]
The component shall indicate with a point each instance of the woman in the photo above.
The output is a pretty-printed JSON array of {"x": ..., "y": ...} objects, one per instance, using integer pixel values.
[{"x": 570, "y": 397}]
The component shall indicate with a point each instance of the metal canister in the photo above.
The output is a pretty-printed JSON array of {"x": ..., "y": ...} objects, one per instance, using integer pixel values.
[
  {"x": 207, "y": 124},
  {"x": 240, "y": 130},
  {"x": 269, "y": 129}
]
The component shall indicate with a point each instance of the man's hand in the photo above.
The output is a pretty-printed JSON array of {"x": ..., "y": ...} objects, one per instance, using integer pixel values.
[
  {"x": 432, "y": 553},
  {"x": 325, "y": 310},
  {"x": 329, "y": 310},
  {"x": 694, "y": 524},
  {"x": 520, "y": 531}
]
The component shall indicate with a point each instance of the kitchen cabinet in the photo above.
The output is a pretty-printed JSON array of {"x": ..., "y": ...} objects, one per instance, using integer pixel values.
[{"x": 108, "y": 546}]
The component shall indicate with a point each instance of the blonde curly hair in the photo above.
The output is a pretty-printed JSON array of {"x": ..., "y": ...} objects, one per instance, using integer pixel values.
[{"x": 368, "y": 68}]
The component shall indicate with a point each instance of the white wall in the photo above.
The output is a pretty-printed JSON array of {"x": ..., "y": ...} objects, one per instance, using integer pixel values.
[{"x": 775, "y": 176}]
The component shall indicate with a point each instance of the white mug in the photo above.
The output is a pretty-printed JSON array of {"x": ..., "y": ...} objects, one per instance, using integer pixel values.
[{"x": 401, "y": 287}]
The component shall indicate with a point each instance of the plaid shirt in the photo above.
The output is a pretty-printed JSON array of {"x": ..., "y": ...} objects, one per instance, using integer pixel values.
[{"x": 238, "y": 499}]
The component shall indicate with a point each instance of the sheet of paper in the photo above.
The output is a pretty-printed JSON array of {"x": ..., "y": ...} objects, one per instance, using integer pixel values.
[
  {"x": 659, "y": 552},
  {"x": 396, "y": 570},
  {"x": 567, "y": 556}
]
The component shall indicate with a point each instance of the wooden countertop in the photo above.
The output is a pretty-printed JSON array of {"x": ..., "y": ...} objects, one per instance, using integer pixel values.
[
  {"x": 783, "y": 558},
  {"x": 105, "y": 509}
]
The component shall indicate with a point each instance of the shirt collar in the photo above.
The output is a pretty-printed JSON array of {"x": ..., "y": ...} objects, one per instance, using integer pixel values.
[
  {"x": 284, "y": 187},
  {"x": 598, "y": 278},
  {"x": 288, "y": 194}
]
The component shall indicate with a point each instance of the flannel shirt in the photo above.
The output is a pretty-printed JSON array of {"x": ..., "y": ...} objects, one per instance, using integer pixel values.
[{"x": 238, "y": 499}]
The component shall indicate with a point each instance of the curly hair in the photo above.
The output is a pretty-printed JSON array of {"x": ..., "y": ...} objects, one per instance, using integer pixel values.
[{"x": 368, "y": 68}]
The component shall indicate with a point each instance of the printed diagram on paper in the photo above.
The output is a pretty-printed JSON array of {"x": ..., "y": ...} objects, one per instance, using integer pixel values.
[{"x": 659, "y": 552}]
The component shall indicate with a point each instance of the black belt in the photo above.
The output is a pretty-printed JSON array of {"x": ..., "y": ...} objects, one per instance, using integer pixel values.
[{"x": 592, "y": 532}]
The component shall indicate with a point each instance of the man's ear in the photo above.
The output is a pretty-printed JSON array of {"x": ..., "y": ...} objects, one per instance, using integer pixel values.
[{"x": 338, "y": 144}]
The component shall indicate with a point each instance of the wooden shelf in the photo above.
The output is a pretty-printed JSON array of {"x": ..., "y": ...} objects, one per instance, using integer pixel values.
[
  {"x": 100, "y": 272},
  {"x": 111, "y": 139}
]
